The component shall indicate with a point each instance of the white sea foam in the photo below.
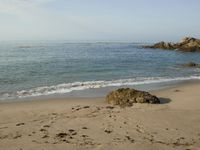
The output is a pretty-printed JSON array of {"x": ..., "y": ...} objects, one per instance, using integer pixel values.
[{"x": 76, "y": 86}]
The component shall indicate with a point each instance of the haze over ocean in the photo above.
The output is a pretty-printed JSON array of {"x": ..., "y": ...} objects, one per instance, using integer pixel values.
[{"x": 94, "y": 20}]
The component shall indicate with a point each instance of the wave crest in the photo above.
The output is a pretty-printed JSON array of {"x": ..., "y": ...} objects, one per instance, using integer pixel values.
[{"x": 75, "y": 86}]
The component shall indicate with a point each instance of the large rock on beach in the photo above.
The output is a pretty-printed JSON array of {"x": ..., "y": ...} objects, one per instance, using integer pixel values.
[
  {"x": 187, "y": 44},
  {"x": 126, "y": 97}
]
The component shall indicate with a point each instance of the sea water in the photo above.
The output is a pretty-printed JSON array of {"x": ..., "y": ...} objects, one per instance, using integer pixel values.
[{"x": 31, "y": 69}]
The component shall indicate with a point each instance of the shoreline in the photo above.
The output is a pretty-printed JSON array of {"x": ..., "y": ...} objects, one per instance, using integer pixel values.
[
  {"x": 71, "y": 124},
  {"x": 100, "y": 93}
]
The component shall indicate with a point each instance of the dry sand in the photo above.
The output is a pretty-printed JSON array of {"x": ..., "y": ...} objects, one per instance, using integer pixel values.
[{"x": 92, "y": 124}]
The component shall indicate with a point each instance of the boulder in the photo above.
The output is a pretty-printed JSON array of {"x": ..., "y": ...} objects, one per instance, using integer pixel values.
[
  {"x": 187, "y": 44},
  {"x": 126, "y": 97}
]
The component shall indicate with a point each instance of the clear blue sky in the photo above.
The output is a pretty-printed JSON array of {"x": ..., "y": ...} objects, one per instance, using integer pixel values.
[{"x": 99, "y": 20}]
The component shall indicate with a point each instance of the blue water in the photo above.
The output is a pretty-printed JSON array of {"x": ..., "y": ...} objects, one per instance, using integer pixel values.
[{"x": 44, "y": 68}]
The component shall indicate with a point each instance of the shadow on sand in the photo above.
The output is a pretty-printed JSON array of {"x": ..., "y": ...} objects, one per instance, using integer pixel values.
[{"x": 164, "y": 100}]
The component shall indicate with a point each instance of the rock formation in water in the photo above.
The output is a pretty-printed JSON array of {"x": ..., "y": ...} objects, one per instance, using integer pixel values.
[
  {"x": 192, "y": 65},
  {"x": 187, "y": 44},
  {"x": 126, "y": 97}
]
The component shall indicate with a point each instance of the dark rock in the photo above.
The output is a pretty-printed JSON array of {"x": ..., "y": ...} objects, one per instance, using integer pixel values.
[
  {"x": 187, "y": 44},
  {"x": 126, "y": 97},
  {"x": 192, "y": 65},
  {"x": 162, "y": 45}
]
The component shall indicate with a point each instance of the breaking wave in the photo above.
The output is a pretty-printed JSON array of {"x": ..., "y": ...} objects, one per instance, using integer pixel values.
[{"x": 76, "y": 86}]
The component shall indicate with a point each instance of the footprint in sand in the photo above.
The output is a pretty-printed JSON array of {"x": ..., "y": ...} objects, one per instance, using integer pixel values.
[
  {"x": 87, "y": 141},
  {"x": 85, "y": 107},
  {"x": 43, "y": 130},
  {"x": 3, "y": 127},
  {"x": 130, "y": 139},
  {"x": 110, "y": 107},
  {"x": 20, "y": 124},
  {"x": 45, "y": 136},
  {"x": 33, "y": 132},
  {"x": 84, "y": 136},
  {"x": 17, "y": 135},
  {"x": 108, "y": 131},
  {"x": 46, "y": 126},
  {"x": 62, "y": 136}
]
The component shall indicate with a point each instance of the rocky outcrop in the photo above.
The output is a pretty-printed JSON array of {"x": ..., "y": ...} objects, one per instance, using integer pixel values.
[
  {"x": 126, "y": 97},
  {"x": 192, "y": 65},
  {"x": 187, "y": 44}
]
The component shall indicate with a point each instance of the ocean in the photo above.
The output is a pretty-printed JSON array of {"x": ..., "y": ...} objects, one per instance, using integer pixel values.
[{"x": 32, "y": 69}]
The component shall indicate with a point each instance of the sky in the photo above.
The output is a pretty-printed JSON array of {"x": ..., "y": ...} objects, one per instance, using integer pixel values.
[{"x": 99, "y": 20}]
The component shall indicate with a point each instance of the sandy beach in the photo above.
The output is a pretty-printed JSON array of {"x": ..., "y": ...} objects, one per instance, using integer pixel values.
[
  {"x": 92, "y": 124},
  {"x": 99, "y": 75}
]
